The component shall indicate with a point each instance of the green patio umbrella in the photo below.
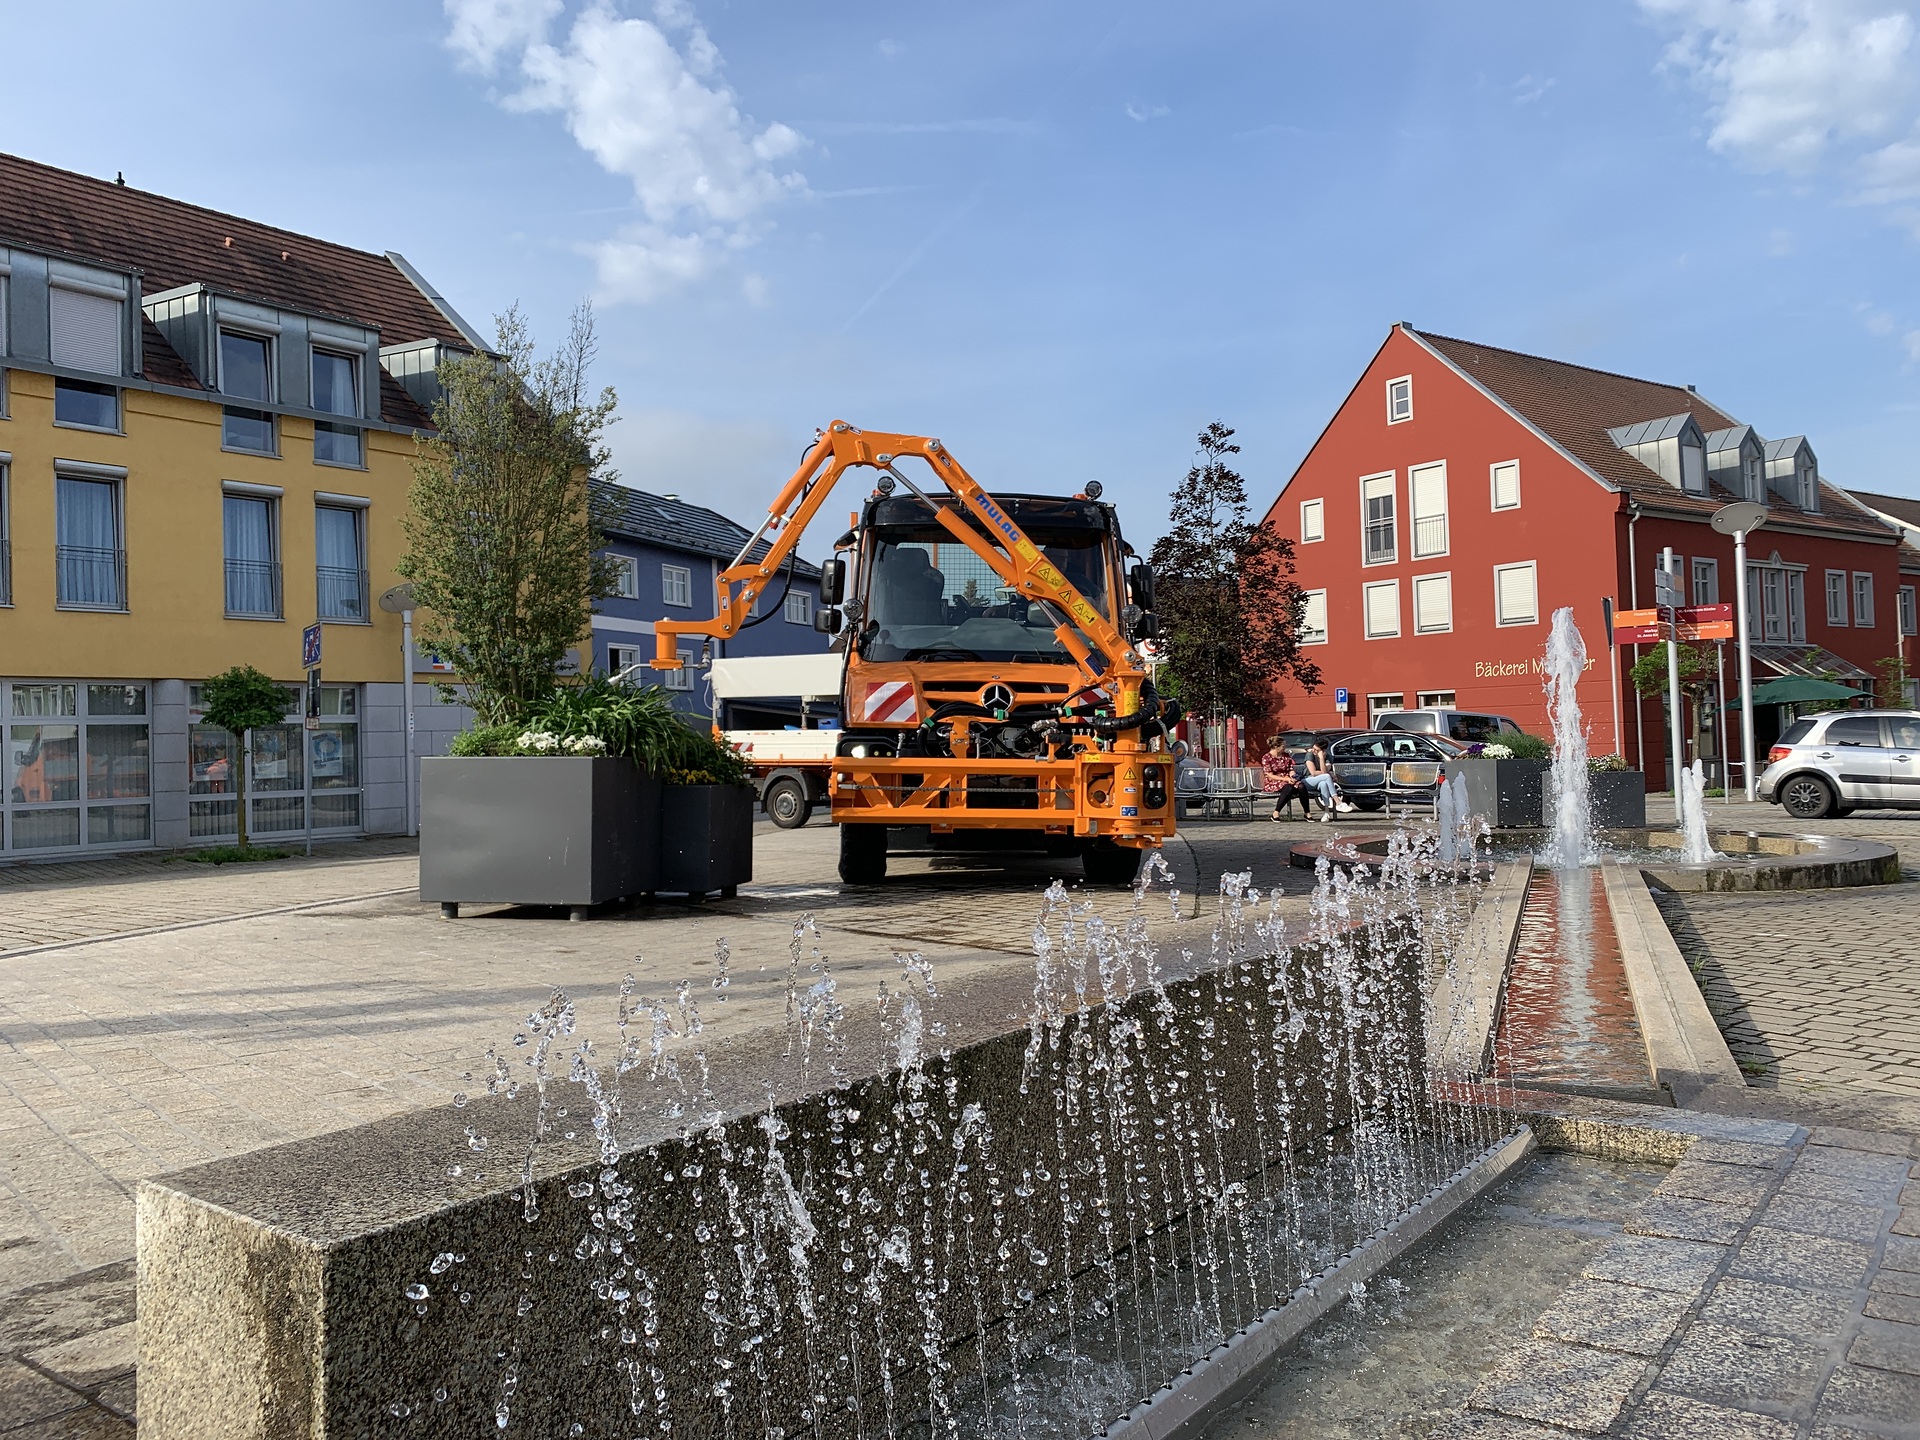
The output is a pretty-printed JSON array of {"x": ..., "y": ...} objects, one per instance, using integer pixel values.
[{"x": 1797, "y": 690}]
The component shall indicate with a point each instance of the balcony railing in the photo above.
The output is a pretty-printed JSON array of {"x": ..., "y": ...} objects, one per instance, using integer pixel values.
[
  {"x": 1380, "y": 546},
  {"x": 1430, "y": 535},
  {"x": 89, "y": 578},
  {"x": 253, "y": 588},
  {"x": 343, "y": 593}
]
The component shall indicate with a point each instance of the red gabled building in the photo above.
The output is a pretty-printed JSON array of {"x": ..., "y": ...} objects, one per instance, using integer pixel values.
[{"x": 1463, "y": 493}]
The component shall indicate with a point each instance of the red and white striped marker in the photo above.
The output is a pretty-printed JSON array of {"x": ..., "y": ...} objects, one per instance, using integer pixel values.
[{"x": 889, "y": 701}]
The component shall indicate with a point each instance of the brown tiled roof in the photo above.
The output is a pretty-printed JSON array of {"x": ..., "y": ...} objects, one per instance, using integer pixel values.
[
  {"x": 1901, "y": 507},
  {"x": 161, "y": 363},
  {"x": 173, "y": 243},
  {"x": 400, "y": 408},
  {"x": 1909, "y": 556},
  {"x": 1575, "y": 407}
]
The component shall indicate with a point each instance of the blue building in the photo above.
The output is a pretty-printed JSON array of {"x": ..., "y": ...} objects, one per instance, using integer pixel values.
[{"x": 670, "y": 555}]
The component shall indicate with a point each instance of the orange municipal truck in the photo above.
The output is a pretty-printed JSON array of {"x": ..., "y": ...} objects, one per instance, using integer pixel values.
[{"x": 993, "y": 679}]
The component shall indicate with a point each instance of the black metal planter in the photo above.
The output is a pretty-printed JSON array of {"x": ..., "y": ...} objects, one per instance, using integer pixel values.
[
  {"x": 1508, "y": 794},
  {"x": 706, "y": 839},
  {"x": 537, "y": 830},
  {"x": 1617, "y": 800}
]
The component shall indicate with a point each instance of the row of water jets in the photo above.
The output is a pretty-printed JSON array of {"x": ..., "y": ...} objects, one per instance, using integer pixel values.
[{"x": 1192, "y": 1128}]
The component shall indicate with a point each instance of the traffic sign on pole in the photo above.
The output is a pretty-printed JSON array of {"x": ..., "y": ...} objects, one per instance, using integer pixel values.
[{"x": 310, "y": 648}]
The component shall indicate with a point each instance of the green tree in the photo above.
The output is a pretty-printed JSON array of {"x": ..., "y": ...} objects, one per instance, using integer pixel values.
[
  {"x": 1228, "y": 605},
  {"x": 1895, "y": 676},
  {"x": 1697, "y": 671},
  {"x": 506, "y": 516},
  {"x": 240, "y": 701}
]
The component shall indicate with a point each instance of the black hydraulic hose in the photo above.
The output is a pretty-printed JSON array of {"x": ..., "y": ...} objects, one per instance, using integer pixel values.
[{"x": 795, "y": 555}]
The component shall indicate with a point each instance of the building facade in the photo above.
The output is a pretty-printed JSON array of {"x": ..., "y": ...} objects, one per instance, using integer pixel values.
[
  {"x": 670, "y": 555},
  {"x": 1463, "y": 493},
  {"x": 206, "y": 427}
]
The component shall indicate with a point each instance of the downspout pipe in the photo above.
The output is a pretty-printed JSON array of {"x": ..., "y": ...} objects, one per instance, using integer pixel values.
[{"x": 1633, "y": 603}]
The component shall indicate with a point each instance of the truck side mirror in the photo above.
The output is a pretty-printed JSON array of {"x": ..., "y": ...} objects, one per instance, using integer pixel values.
[
  {"x": 1147, "y": 627},
  {"x": 826, "y": 620},
  {"x": 833, "y": 582},
  {"x": 1140, "y": 584}
]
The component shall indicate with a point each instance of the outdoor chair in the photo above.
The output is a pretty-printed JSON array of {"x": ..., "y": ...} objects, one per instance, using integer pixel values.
[{"x": 1231, "y": 785}]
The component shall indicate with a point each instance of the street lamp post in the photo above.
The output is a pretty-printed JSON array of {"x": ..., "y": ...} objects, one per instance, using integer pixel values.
[
  {"x": 1740, "y": 520},
  {"x": 399, "y": 600}
]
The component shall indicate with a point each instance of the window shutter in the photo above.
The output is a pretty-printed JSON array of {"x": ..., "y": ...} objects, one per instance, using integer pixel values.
[
  {"x": 1433, "y": 603},
  {"x": 86, "y": 331},
  {"x": 1313, "y": 619},
  {"x": 1383, "y": 609},
  {"x": 1515, "y": 593},
  {"x": 1506, "y": 486}
]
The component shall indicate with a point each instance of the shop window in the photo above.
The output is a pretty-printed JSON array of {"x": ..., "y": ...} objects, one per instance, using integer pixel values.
[
  {"x": 1378, "y": 705},
  {"x": 290, "y": 768},
  {"x": 77, "y": 765},
  {"x": 1437, "y": 699}
]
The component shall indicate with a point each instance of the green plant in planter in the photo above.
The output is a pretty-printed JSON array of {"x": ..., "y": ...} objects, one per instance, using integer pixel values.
[
  {"x": 599, "y": 716},
  {"x": 1607, "y": 764},
  {"x": 1528, "y": 747}
]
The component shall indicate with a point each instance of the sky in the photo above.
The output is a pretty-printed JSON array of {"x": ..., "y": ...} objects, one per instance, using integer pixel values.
[{"x": 1063, "y": 237}]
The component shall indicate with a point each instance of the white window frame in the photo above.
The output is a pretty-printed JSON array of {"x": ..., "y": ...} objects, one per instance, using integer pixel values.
[
  {"x": 619, "y": 657},
  {"x": 1493, "y": 484},
  {"x": 669, "y": 574},
  {"x": 797, "y": 609},
  {"x": 1394, "y": 701},
  {"x": 1704, "y": 568},
  {"x": 1839, "y": 598},
  {"x": 1533, "y": 575},
  {"x": 626, "y": 581},
  {"x": 1308, "y": 635},
  {"x": 1438, "y": 699},
  {"x": 1414, "y": 547},
  {"x": 1313, "y": 521},
  {"x": 1909, "y": 610},
  {"x": 1366, "y": 609},
  {"x": 1863, "y": 599},
  {"x": 113, "y": 475},
  {"x": 1797, "y": 605},
  {"x": 354, "y": 368},
  {"x": 1392, "y": 477},
  {"x": 681, "y": 679},
  {"x": 6, "y": 524},
  {"x": 1445, "y": 577},
  {"x": 241, "y": 332},
  {"x": 1392, "y": 403}
]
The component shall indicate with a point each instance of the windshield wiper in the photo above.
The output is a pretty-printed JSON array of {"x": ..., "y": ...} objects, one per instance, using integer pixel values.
[{"x": 939, "y": 652}]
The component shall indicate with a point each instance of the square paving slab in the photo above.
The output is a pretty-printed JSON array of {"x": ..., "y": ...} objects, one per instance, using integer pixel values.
[
  {"x": 1627, "y": 1318},
  {"x": 1775, "y": 1309},
  {"x": 1682, "y": 1266},
  {"x": 1790, "y": 1257},
  {"x": 1679, "y": 1218},
  {"x": 1567, "y": 1385},
  {"x": 1676, "y": 1417},
  {"x": 1824, "y": 1217},
  {"x": 1723, "y": 1363}
]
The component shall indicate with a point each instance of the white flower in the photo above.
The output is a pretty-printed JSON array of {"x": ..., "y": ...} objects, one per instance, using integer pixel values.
[
  {"x": 541, "y": 740},
  {"x": 587, "y": 745},
  {"x": 1497, "y": 752}
]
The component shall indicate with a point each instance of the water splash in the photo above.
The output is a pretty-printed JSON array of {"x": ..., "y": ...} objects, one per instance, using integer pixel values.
[
  {"x": 1570, "y": 839},
  {"x": 1690, "y": 800}
]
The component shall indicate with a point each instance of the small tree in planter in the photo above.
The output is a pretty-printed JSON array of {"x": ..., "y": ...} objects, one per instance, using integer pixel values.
[{"x": 240, "y": 701}]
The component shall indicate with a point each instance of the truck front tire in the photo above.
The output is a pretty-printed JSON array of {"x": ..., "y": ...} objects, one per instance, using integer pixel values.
[
  {"x": 786, "y": 803},
  {"x": 863, "y": 854}
]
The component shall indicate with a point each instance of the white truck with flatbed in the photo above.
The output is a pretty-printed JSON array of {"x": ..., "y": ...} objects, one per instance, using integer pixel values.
[{"x": 791, "y": 768}]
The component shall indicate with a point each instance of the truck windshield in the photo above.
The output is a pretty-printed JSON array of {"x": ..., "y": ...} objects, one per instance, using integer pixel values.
[{"x": 931, "y": 598}]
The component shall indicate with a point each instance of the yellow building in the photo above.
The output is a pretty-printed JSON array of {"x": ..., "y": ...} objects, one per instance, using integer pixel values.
[{"x": 205, "y": 433}]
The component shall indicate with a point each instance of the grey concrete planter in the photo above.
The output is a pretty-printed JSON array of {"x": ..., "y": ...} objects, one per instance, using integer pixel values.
[
  {"x": 1508, "y": 794},
  {"x": 706, "y": 838},
  {"x": 536, "y": 830},
  {"x": 1618, "y": 800}
]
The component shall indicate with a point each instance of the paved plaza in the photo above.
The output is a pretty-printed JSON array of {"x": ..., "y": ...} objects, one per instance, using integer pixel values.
[{"x": 155, "y": 1014}]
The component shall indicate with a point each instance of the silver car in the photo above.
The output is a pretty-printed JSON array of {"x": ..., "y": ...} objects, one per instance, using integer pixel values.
[{"x": 1850, "y": 759}]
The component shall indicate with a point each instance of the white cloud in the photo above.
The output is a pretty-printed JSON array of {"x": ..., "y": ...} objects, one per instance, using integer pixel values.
[
  {"x": 646, "y": 100},
  {"x": 1529, "y": 88},
  {"x": 1144, "y": 113},
  {"x": 1790, "y": 79}
]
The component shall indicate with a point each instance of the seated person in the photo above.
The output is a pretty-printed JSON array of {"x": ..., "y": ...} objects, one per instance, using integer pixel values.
[
  {"x": 1279, "y": 779},
  {"x": 1320, "y": 781}
]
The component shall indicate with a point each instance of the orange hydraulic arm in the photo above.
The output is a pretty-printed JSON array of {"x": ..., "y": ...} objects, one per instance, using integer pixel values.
[{"x": 1020, "y": 563}]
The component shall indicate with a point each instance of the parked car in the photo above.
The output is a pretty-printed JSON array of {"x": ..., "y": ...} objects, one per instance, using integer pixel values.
[
  {"x": 1831, "y": 764},
  {"x": 1469, "y": 726},
  {"x": 1378, "y": 768}
]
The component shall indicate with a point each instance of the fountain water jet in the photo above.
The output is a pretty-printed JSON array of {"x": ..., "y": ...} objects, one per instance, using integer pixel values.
[
  {"x": 1690, "y": 803},
  {"x": 1570, "y": 841}
]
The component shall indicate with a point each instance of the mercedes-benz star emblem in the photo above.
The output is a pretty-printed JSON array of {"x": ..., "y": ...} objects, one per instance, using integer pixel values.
[{"x": 997, "y": 697}]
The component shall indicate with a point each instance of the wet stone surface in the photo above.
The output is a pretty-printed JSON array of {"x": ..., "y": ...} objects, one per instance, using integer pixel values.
[
  {"x": 1681, "y": 1266},
  {"x": 1775, "y": 1309},
  {"x": 1790, "y": 1257},
  {"x": 1628, "y": 1318},
  {"x": 1679, "y": 1218},
  {"x": 1678, "y": 1417},
  {"x": 1719, "y": 1362},
  {"x": 1824, "y": 1217}
]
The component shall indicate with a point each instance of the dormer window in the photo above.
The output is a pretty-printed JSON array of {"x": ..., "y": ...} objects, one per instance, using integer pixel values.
[
  {"x": 246, "y": 373},
  {"x": 336, "y": 391},
  {"x": 1672, "y": 447},
  {"x": 1793, "y": 473},
  {"x": 85, "y": 330}
]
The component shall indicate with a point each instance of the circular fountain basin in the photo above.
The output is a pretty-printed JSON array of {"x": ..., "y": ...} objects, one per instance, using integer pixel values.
[{"x": 1747, "y": 859}]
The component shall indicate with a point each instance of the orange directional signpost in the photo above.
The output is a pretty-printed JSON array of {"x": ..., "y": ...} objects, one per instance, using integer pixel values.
[
  {"x": 1706, "y": 622},
  {"x": 1637, "y": 627}
]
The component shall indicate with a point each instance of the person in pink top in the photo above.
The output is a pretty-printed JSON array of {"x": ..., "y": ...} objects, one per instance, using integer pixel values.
[{"x": 1278, "y": 777}]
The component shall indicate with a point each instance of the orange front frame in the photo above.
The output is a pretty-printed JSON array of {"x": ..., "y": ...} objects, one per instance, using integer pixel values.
[{"x": 1086, "y": 795}]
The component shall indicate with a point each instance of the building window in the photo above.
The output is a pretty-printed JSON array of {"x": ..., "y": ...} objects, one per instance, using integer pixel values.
[
  {"x": 1313, "y": 521},
  {"x": 1399, "y": 400},
  {"x": 340, "y": 567},
  {"x": 84, "y": 406},
  {"x": 799, "y": 607},
  {"x": 1516, "y": 596},
  {"x": 676, "y": 585},
  {"x": 1427, "y": 496},
  {"x": 1706, "y": 581},
  {"x": 1863, "y": 600},
  {"x": 77, "y": 766},
  {"x": 1376, "y": 504},
  {"x": 336, "y": 391},
  {"x": 84, "y": 331},
  {"x": 6, "y": 542},
  {"x": 1909, "y": 619},
  {"x": 252, "y": 555},
  {"x": 1437, "y": 700},
  {"x": 626, "y": 577},
  {"x": 289, "y": 768},
  {"x": 1506, "y": 485},
  {"x": 90, "y": 560},
  {"x": 1836, "y": 597},
  {"x": 681, "y": 679},
  {"x": 1313, "y": 618},
  {"x": 623, "y": 658},
  {"x": 1378, "y": 705},
  {"x": 246, "y": 373},
  {"x": 1382, "y": 606},
  {"x": 1432, "y": 604},
  {"x": 1797, "y": 606}
]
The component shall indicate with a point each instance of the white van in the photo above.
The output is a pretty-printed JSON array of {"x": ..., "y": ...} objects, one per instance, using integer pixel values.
[{"x": 1467, "y": 726}]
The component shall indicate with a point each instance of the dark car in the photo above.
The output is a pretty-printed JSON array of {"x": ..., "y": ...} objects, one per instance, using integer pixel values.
[{"x": 1378, "y": 768}]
